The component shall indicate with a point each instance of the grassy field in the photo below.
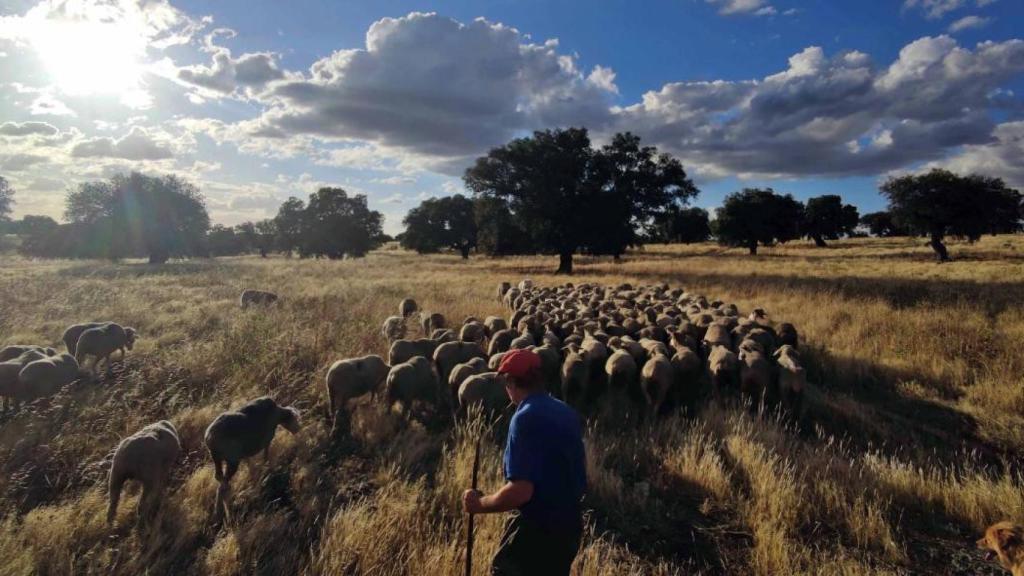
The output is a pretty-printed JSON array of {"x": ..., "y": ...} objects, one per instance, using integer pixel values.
[{"x": 911, "y": 444}]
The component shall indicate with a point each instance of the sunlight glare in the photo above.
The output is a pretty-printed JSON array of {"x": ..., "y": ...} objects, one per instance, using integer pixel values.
[{"x": 86, "y": 58}]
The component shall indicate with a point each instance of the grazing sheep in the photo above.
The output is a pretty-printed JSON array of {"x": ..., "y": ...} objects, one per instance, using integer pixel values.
[
  {"x": 575, "y": 376},
  {"x": 14, "y": 351},
  {"x": 597, "y": 352},
  {"x": 501, "y": 341},
  {"x": 146, "y": 457},
  {"x": 433, "y": 321},
  {"x": 526, "y": 284},
  {"x": 413, "y": 381},
  {"x": 238, "y": 434},
  {"x": 486, "y": 390},
  {"x": 393, "y": 329},
  {"x": 495, "y": 361},
  {"x": 522, "y": 342},
  {"x": 764, "y": 337},
  {"x": 723, "y": 369},
  {"x": 687, "y": 366},
  {"x": 787, "y": 335},
  {"x": 10, "y": 385},
  {"x": 407, "y": 307},
  {"x": 73, "y": 333},
  {"x": 656, "y": 380},
  {"x": 257, "y": 298},
  {"x": 352, "y": 378},
  {"x": 404, "y": 350},
  {"x": 447, "y": 355},
  {"x": 45, "y": 377},
  {"x": 717, "y": 335},
  {"x": 550, "y": 363},
  {"x": 100, "y": 343},
  {"x": 792, "y": 379},
  {"x": 462, "y": 371}
]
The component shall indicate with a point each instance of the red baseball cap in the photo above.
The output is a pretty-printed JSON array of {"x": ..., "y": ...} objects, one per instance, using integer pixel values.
[{"x": 519, "y": 363}]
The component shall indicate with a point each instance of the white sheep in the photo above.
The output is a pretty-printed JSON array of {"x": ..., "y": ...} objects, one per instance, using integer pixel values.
[{"x": 146, "y": 457}]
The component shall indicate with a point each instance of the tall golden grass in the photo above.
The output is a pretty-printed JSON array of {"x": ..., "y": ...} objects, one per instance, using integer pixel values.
[{"x": 910, "y": 446}]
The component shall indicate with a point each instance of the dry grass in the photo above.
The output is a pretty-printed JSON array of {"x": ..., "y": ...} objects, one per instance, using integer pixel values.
[{"x": 911, "y": 444}]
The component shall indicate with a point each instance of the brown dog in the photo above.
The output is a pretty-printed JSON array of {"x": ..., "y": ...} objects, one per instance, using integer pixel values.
[{"x": 1006, "y": 541}]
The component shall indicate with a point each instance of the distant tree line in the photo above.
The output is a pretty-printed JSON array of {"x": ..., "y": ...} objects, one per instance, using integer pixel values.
[{"x": 164, "y": 217}]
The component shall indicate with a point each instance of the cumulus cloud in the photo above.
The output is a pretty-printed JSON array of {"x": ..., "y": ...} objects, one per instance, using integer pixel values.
[
  {"x": 755, "y": 7},
  {"x": 138, "y": 144},
  {"x": 1001, "y": 157},
  {"x": 936, "y": 9},
  {"x": 437, "y": 87},
  {"x": 28, "y": 129},
  {"x": 834, "y": 115},
  {"x": 19, "y": 162},
  {"x": 248, "y": 73},
  {"x": 968, "y": 22}
]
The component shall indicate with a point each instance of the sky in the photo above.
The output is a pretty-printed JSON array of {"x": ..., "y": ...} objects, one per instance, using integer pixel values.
[{"x": 258, "y": 101}]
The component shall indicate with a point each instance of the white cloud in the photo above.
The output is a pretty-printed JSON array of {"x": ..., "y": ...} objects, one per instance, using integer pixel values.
[
  {"x": 755, "y": 7},
  {"x": 1001, "y": 157},
  {"x": 934, "y": 9},
  {"x": 138, "y": 144},
  {"x": 27, "y": 129},
  {"x": 968, "y": 22},
  {"x": 247, "y": 74}
]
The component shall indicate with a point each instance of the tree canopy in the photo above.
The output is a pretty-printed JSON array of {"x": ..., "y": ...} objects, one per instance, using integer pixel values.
[
  {"x": 827, "y": 218},
  {"x": 881, "y": 224},
  {"x": 137, "y": 215},
  {"x": 940, "y": 203},
  {"x": 758, "y": 216},
  {"x": 439, "y": 223},
  {"x": 568, "y": 197},
  {"x": 6, "y": 199},
  {"x": 686, "y": 225},
  {"x": 335, "y": 225}
]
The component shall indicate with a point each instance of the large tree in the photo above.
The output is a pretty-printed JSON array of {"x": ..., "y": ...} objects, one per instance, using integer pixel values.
[
  {"x": 755, "y": 216},
  {"x": 941, "y": 203},
  {"x": 569, "y": 197},
  {"x": 881, "y": 224},
  {"x": 6, "y": 199},
  {"x": 131, "y": 215},
  {"x": 686, "y": 225},
  {"x": 827, "y": 218},
  {"x": 499, "y": 233},
  {"x": 335, "y": 225},
  {"x": 288, "y": 223},
  {"x": 439, "y": 223}
]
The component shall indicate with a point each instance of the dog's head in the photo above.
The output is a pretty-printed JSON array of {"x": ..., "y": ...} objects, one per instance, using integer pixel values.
[{"x": 1004, "y": 540}]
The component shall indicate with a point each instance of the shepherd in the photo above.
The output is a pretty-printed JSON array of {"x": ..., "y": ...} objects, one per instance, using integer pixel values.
[{"x": 545, "y": 473}]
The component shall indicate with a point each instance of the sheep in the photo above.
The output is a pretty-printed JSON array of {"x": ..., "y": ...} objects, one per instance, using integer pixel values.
[
  {"x": 550, "y": 363},
  {"x": 473, "y": 332},
  {"x": 501, "y": 341},
  {"x": 717, "y": 335},
  {"x": 575, "y": 375},
  {"x": 792, "y": 378},
  {"x": 495, "y": 361},
  {"x": 393, "y": 329},
  {"x": 462, "y": 371},
  {"x": 45, "y": 377},
  {"x": 723, "y": 370},
  {"x": 656, "y": 380},
  {"x": 447, "y": 355},
  {"x": 494, "y": 324},
  {"x": 407, "y": 307},
  {"x": 755, "y": 373},
  {"x": 16, "y": 350},
  {"x": 526, "y": 284},
  {"x": 238, "y": 434},
  {"x": 621, "y": 370},
  {"x": 102, "y": 342},
  {"x": 73, "y": 333},
  {"x": 10, "y": 385},
  {"x": 403, "y": 350},
  {"x": 787, "y": 335},
  {"x": 487, "y": 390},
  {"x": 256, "y": 298},
  {"x": 411, "y": 381},
  {"x": 503, "y": 288},
  {"x": 686, "y": 365},
  {"x": 764, "y": 337},
  {"x": 147, "y": 457},
  {"x": 352, "y": 378},
  {"x": 433, "y": 321},
  {"x": 597, "y": 352}
]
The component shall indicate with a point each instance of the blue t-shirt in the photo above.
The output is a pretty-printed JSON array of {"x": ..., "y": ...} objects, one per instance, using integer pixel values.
[{"x": 545, "y": 447}]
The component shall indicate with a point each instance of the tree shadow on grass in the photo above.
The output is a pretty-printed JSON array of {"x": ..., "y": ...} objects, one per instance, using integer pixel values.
[{"x": 111, "y": 270}]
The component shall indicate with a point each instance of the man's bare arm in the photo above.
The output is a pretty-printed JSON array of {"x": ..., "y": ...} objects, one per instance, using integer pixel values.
[{"x": 509, "y": 497}]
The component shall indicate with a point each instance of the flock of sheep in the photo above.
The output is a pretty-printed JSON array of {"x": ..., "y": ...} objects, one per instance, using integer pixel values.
[{"x": 634, "y": 351}]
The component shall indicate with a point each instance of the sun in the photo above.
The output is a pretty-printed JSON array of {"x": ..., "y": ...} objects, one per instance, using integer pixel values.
[{"x": 85, "y": 58}]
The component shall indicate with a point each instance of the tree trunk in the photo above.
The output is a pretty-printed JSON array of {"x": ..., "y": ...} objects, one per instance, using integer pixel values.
[
  {"x": 939, "y": 247},
  {"x": 752, "y": 247},
  {"x": 464, "y": 250},
  {"x": 617, "y": 258},
  {"x": 564, "y": 263},
  {"x": 158, "y": 258},
  {"x": 819, "y": 241}
]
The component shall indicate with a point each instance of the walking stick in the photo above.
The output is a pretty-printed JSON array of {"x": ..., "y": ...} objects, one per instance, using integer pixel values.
[{"x": 469, "y": 527}]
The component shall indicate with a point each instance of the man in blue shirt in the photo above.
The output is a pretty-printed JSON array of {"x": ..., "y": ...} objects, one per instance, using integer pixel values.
[{"x": 545, "y": 470}]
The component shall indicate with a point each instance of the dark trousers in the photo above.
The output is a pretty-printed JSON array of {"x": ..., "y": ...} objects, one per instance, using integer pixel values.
[{"x": 530, "y": 549}]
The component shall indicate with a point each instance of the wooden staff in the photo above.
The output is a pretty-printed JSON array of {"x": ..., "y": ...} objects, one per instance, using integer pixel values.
[{"x": 469, "y": 527}]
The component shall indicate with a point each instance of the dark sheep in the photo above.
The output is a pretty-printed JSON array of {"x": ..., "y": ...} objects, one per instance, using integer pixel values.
[{"x": 101, "y": 342}]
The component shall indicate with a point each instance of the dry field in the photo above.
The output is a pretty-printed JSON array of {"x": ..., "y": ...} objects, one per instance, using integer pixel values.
[{"x": 911, "y": 443}]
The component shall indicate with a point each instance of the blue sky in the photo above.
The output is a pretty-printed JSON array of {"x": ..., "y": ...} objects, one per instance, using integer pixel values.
[{"x": 256, "y": 102}]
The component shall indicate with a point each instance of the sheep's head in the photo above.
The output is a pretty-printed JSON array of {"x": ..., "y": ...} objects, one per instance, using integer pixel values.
[
  {"x": 130, "y": 336},
  {"x": 289, "y": 419}
]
